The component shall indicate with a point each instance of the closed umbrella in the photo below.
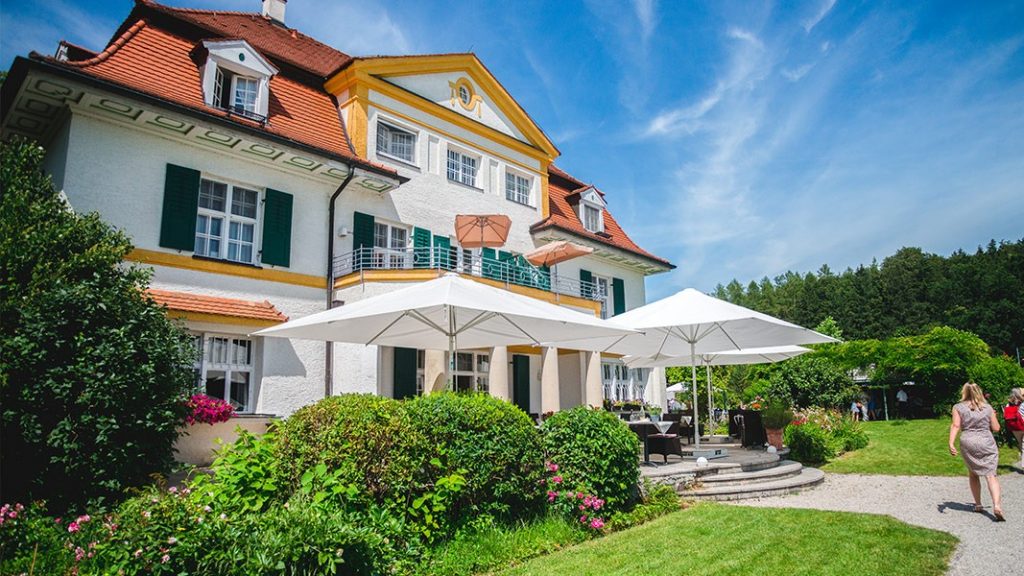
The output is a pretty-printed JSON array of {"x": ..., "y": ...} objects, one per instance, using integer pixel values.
[
  {"x": 555, "y": 252},
  {"x": 482, "y": 231},
  {"x": 690, "y": 323},
  {"x": 444, "y": 313}
]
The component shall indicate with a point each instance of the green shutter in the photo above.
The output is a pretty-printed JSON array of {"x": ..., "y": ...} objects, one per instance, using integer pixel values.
[
  {"x": 618, "y": 296},
  {"x": 586, "y": 283},
  {"x": 181, "y": 201},
  {"x": 442, "y": 252},
  {"x": 521, "y": 382},
  {"x": 362, "y": 237},
  {"x": 421, "y": 248},
  {"x": 277, "y": 229},
  {"x": 405, "y": 373}
]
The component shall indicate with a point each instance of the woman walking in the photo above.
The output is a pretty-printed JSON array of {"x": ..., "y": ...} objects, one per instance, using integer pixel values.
[
  {"x": 975, "y": 421},
  {"x": 1013, "y": 414}
]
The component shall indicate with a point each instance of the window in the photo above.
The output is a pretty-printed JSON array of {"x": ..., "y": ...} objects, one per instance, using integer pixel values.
[
  {"x": 601, "y": 294},
  {"x": 237, "y": 93},
  {"x": 471, "y": 372},
  {"x": 464, "y": 95},
  {"x": 517, "y": 188},
  {"x": 390, "y": 246},
  {"x": 395, "y": 142},
  {"x": 237, "y": 78},
  {"x": 245, "y": 93},
  {"x": 225, "y": 369},
  {"x": 462, "y": 168},
  {"x": 226, "y": 208},
  {"x": 592, "y": 218}
]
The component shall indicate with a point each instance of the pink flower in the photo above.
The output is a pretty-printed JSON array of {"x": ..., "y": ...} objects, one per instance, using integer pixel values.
[
  {"x": 173, "y": 489},
  {"x": 579, "y": 495},
  {"x": 597, "y": 523},
  {"x": 73, "y": 527},
  {"x": 146, "y": 514},
  {"x": 552, "y": 495},
  {"x": 165, "y": 558},
  {"x": 583, "y": 519},
  {"x": 557, "y": 479},
  {"x": 172, "y": 540},
  {"x": 598, "y": 503},
  {"x": 83, "y": 519},
  {"x": 552, "y": 467},
  {"x": 79, "y": 554},
  {"x": 138, "y": 553}
]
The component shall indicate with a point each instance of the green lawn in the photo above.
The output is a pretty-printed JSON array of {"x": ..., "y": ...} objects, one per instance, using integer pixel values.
[
  {"x": 719, "y": 540},
  {"x": 908, "y": 447}
]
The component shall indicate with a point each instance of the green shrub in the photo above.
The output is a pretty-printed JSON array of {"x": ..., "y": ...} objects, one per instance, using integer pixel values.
[
  {"x": 32, "y": 542},
  {"x": 776, "y": 415},
  {"x": 996, "y": 376},
  {"x": 368, "y": 440},
  {"x": 596, "y": 451},
  {"x": 493, "y": 444},
  {"x": 849, "y": 435},
  {"x": 246, "y": 476},
  {"x": 656, "y": 500},
  {"x": 93, "y": 375},
  {"x": 809, "y": 443}
]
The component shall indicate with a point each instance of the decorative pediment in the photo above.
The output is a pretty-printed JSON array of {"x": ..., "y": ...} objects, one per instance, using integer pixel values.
[
  {"x": 593, "y": 196},
  {"x": 240, "y": 57}
]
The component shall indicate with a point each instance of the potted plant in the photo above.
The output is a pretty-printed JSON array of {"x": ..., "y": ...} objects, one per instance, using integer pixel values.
[
  {"x": 655, "y": 412},
  {"x": 776, "y": 416}
]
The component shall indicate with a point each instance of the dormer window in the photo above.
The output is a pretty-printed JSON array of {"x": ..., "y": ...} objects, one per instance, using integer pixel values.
[
  {"x": 236, "y": 78},
  {"x": 591, "y": 210}
]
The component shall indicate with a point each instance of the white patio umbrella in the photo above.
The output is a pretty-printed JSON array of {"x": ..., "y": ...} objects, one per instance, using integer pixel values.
[
  {"x": 764, "y": 355},
  {"x": 444, "y": 313},
  {"x": 690, "y": 323}
]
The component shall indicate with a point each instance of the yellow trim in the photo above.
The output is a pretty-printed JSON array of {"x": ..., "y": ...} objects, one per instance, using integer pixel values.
[
  {"x": 356, "y": 278},
  {"x": 474, "y": 99},
  {"x": 358, "y": 76},
  {"x": 536, "y": 351},
  {"x": 220, "y": 319},
  {"x": 475, "y": 145},
  {"x": 155, "y": 258},
  {"x": 545, "y": 207}
]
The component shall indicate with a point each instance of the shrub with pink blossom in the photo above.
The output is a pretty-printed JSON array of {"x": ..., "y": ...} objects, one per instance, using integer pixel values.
[
  {"x": 205, "y": 409},
  {"x": 573, "y": 500}
]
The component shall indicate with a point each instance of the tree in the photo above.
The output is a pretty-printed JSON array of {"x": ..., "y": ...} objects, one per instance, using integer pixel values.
[
  {"x": 997, "y": 376},
  {"x": 812, "y": 380},
  {"x": 93, "y": 375}
]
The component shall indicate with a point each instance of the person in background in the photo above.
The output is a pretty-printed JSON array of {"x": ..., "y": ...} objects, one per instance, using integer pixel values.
[
  {"x": 1013, "y": 414},
  {"x": 975, "y": 422},
  {"x": 863, "y": 410},
  {"x": 872, "y": 408},
  {"x": 855, "y": 410},
  {"x": 674, "y": 405},
  {"x": 902, "y": 406}
]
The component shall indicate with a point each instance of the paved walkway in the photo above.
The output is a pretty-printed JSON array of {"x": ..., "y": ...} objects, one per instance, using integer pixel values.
[{"x": 942, "y": 503}]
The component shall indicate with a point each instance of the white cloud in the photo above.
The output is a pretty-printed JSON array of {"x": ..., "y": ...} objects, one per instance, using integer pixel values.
[
  {"x": 823, "y": 11},
  {"x": 795, "y": 74},
  {"x": 645, "y": 14},
  {"x": 355, "y": 28}
]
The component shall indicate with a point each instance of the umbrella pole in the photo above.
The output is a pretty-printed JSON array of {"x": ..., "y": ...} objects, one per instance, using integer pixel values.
[
  {"x": 449, "y": 365},
  {"x": 711, "y": 401},
  {"x": 693, "y": 386}
]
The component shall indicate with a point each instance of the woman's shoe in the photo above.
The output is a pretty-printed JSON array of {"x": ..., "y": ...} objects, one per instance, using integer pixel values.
[
  {"x": 979, "y": 508},
  {"x": 999, "y": 515}
]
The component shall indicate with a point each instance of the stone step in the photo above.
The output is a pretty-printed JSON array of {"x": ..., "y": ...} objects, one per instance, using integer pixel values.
[
  {"x": 783, "y": 469},
  {"x": 807, "y": 478}
]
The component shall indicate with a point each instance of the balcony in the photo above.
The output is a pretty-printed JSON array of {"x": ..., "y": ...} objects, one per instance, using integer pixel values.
[{"x": 511, "y": 271}]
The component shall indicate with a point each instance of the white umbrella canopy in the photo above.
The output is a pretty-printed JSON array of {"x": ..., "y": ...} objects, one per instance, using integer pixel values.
[
  {"x": 690, "y": 323},
  {"x": 444, "y": 313},
  {"x": 764, "y": 355}
]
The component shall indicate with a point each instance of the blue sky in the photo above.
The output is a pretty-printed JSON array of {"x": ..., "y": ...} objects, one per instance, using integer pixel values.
[{"x": 738, "y": 140}]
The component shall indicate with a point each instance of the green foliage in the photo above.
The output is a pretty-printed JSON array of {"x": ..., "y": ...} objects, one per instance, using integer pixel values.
[
  {"x": 368, "y": 440},
  {"x": 829, "y": 327},
  {"x": 595, "y": 450},
  {"x": 246, "y": 476},
  {"x": 33, "y": 543},
  {"x": 811, "y": 380},
  {"x": 93, "y": 375},
  {"x": 494, "y": 444},
  {"x": 819, "y": 435},
  {"x": 432, "y": 510},
  {"x": 850, "y": 435},
  {"x": 656, "y": 500},
  {"x": 910, "y": 292},
  {"x": 809, "y": 443},
  {"x": 997, "y": 376},
  {"x": 776, "y": 415}
]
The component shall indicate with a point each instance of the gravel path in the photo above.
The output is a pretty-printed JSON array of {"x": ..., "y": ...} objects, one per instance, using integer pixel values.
[{"x": 943, "y": 503}]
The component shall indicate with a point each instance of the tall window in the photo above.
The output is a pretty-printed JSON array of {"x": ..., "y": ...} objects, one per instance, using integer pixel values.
[
  {"x": 235, "y": 92},
  {"x": 226, "y": 221},
  {"x": 395, "y": 142},
  {"x": 245, "y": 91},
  {"x": 390, "y": 246},
  {"x": 601, "y": 294},
  {"x": 592, "y": 218},
  {"x": 471, "y": 372},
  {"x": 225, "y": 369},
  {"x": 517, "y": 188},
  {"x": 462, "y": 168}
]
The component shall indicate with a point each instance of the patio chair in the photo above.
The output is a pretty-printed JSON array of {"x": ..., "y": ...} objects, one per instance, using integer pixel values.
[{"x": 667, "y": 443}]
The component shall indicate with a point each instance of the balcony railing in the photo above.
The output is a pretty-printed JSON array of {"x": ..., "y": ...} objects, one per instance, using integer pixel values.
[{"x": 510, "y": 270}]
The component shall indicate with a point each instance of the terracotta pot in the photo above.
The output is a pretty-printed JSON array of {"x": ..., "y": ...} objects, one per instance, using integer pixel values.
[{"x": 774, "y": 437}]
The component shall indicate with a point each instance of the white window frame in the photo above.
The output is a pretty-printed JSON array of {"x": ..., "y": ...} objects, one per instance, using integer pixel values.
[
  {"x": 584, "y": 208},
  {"x": 479, "y": 378},
  {"x": 384, "y": 149},
  {"x": 255, "y": 92},
  {"x": 229, "y": 366},
  {"x": 512, "y": 194},
  {"x": 392, "y": 256},
  {"x": 462, "y": 166},
  {"x": 603, "y": 294},
  {"x": 228, "y": 217}
]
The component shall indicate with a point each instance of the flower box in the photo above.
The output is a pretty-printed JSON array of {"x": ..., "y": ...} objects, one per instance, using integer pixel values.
[{"x": 196, "y": 443}]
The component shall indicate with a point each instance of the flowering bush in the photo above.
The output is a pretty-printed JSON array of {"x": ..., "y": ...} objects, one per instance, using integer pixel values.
[
  {"x": 205, "y": 409},
  {"x": 817, "y": 435},
  {"x": 572, "y": 500}
]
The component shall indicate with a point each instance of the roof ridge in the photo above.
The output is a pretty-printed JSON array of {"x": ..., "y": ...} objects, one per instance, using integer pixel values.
[
  {"x": 195, "y": 10},
  {"x": 111, "y": 48}
]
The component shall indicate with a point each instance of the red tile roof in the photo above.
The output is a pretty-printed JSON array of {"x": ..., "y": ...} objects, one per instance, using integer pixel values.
[
  {"x": 562, "y": 189},
  {"x": 269, "y": 38},
  {"x": 189, "y": 302}
]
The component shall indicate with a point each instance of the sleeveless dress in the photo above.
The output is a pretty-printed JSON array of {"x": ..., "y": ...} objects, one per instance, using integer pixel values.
[{"x": 977, "y": 445}]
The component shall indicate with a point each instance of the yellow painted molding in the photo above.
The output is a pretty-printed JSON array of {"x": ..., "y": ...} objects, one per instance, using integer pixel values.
[
  {"x": 219, "y": 319},
  {"x": 545, "y": 207},
  {"x": 423, "y": 275},
  {"x": 368, "y": 71},
  {"x": 155, "y": 258}
]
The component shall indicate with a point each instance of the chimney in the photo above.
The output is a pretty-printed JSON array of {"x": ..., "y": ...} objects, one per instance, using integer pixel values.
[{"x": 274, "y": 9}]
